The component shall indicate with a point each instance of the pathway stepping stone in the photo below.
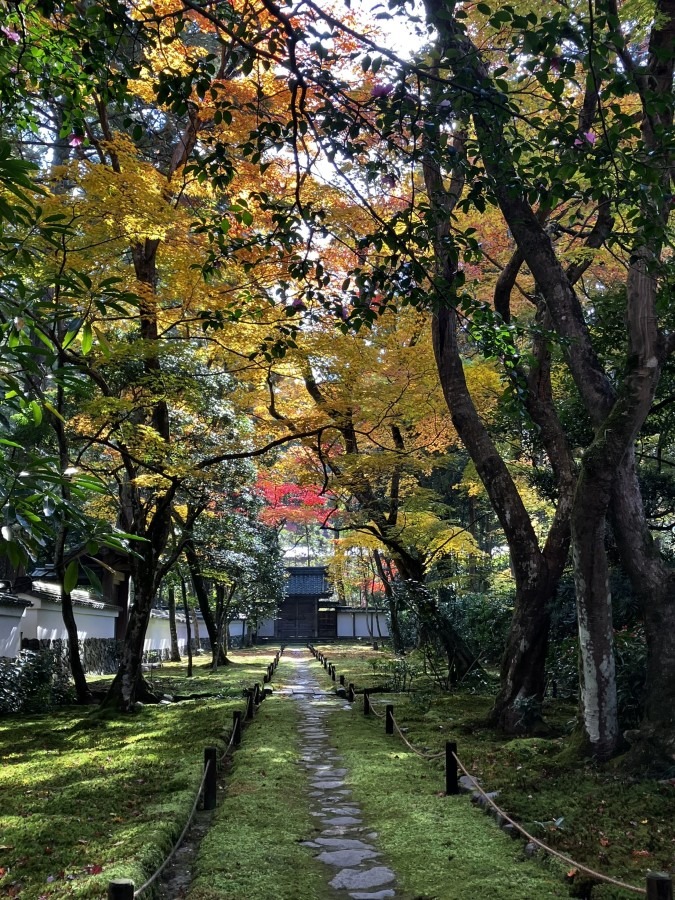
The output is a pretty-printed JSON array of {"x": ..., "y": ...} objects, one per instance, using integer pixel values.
[
  {"x": 344, "y": 858},
  {"x": 345, "y": 843},
  {"x": 353, "y": 879}
]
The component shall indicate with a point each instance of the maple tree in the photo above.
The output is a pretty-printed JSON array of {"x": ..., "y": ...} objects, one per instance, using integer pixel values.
[{"x": 503, "y": 182}]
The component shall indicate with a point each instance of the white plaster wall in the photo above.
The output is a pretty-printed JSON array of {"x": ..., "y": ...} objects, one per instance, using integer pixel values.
[
  {"x": 355, "y": 624},
  {"x": 91, "y": 623},
  {"x": 266, "y": 628},
  {"x": 10, "y": 631},
  {"x": 344, "y": 625},
  {"x": 158, "y": 636}
]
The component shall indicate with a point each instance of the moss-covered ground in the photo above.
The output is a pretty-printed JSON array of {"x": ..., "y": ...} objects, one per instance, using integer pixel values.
[
  {"x": 252, "y": 850},
  {"x": 85, "y": 800},
  {"x": 607, "y": 819}
]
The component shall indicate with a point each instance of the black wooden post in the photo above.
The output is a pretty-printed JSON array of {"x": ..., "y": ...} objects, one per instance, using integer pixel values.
[
  {"x": 342, "y": 680},
  {"x": 350, "y": 692},
  {"x": 325, "y": 663},
  {"x": 333, "y": 674},
  {"x": 389, "y": 721},
  {"x": 210, "y": 764},
  {"x": 451, "y": 772},
  {"x": 121, "y": 889},
  {"x": 366, "y": 704},
  {"x": 249, "y": 704},
  {"x": 259, "y": 696},
  {"x": 236, "y": 727},
  {"x": 659, "y": 886}
]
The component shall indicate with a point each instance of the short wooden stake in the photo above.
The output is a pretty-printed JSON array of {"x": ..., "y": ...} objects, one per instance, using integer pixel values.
[
  {"x": 333, "y": 674},
  {"x": 659, "y": 886},
  {"x": 259, "y": 696},
  {"x": 325, "y": 663},
  {"x": 210, "y": 765},
  {"x": 266, "y": 678},
  {"x": 121, "y": 889},
  {"x": 366, "y": 704},
  {"x": 236, "y": 727},
  {"x": 389, "y": 721},
  {"x": 249, "y": 705},
  {"x": 451, "y": 771},
  {"x": 342, "y": 680},
  {"x": 350, "y": 692}
]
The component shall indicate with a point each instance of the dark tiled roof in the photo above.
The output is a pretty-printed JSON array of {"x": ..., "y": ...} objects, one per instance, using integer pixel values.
[
  {"x": 308, "y": 581},
  {"x": 12, "y": 600}
]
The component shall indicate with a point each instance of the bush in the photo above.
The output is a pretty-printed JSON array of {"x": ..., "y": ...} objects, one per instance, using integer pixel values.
[
  {"x": 33, "y": 682},
  {"x": 482, "y": 620}
]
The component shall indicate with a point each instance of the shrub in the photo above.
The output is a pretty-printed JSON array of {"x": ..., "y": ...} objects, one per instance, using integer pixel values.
[{"x": 33, "y": 682}]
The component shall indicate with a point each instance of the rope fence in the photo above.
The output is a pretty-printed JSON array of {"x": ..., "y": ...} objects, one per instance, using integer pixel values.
[
  {"x": 659, "y": 884},
  {"x": 123, "y": 888}
]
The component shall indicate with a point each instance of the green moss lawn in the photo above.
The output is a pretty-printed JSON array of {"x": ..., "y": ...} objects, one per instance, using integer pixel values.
[
  {"x": 84, "y": 800},
  {"x": 252, "y": 851},
  {"x": 602, "y": 817}
]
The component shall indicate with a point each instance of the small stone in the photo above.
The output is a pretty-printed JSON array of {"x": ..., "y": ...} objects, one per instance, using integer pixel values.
[
  {"x": 343, "y": 858},
  {"x": 480, "y": 800},
  {"x": 342, "y": 810},
  {"x": 327, "y": 785},
  {"x": 511, "y": 830},
  {"x": 530, "y": 849},
  {"x": 467, "y": 783},
  {"x": 343, "y": 843},
  {"x": 355, "y": 879},
  {"x": 344, "y": 820},
  {"x": 370, "y": 895}
]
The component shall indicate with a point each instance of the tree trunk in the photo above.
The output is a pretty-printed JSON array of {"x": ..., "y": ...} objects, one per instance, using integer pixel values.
[
  {"x": 175, "y": 650},
  {"x": 82, "y": 691},
  {"x": 536, "y": 574},
  {"x": 396, "y": 636},
  {"x": 653, "y": 581},
  {"x": 129, "y": 686},
  {"x": 594, "y": 606},
  {"x": 188, "y": 629},
  {"x": 204, "y": 606}
]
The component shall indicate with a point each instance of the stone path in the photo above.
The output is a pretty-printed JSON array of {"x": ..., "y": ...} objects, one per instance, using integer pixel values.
[{"x": 345, "y": 843}]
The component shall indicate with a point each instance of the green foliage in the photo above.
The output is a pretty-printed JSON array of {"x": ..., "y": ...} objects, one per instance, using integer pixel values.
[
  {"x": 33, "y": 683},
  {"x": 482, "y": 619}
]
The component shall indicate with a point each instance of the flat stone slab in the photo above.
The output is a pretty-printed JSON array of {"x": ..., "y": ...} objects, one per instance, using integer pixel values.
[
  {"x": 341, "y": 830},
  {"x": 327, "y": 785},
  {"x": 377, "y": 895},
  {"x": 341, "y": 810},
  {"x": 344, "y": 820},
  {"x": 342, "y": 858},
  {"x": 342, "y": 843},
  {"x": 362, "y": 879}
]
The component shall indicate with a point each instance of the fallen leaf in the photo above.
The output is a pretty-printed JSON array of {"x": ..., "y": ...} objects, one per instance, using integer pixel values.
[{"x": 604, "y": 842}]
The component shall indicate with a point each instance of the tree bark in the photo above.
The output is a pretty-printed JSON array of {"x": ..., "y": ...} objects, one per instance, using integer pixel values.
[
  {"x": 129, "y": 687},
  {"x": 217, "y": 656},
  {"x": 396, "y": 636},
  {"x": 188, "y": 628},
  {"x": 175, "y": 650},
  {"x": 654, "y": 584}
]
